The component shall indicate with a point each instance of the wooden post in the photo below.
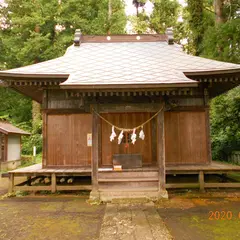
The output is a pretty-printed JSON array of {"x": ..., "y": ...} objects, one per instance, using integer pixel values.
[
  {"x": 29, "y": 178},
  {"x": 95, "y": 156},
  {"x": 154, "y": 140},
  {"x": 44, "y": 130},
  {"x": 53, "y": 187},
  {"x": 201, "y": 181},
  {"x": 11, "y": 183},
  {"x": 207, "y": 118},
  {"x": 5, "y": 148},
  {"x": 161, "y": 154}
]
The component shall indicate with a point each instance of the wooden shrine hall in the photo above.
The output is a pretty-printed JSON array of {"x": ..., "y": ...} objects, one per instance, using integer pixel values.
[{"x": 127, "y": 110}]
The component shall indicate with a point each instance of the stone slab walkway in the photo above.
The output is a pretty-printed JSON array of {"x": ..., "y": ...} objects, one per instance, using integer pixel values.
[{"x": 133, "y": 222}]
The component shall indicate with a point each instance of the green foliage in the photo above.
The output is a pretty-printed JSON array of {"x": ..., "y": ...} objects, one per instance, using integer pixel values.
[
  {"x": 165, "y": 14},
  {"x": 39, "y": 30},
  {"x": 15, "y": 108},
  {"x": 196, "y": 26},
  {"x": 140, "y": 23},
  {"x": 221, "y": 42},
  {"x": 225, "y": 124}
]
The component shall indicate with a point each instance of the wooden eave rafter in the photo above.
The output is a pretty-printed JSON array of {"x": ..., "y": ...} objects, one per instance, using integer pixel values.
[
  {"x": 132, "y": 92},
  {"x": 129, "y": 86},
  {"x": 211, "y": 72},
  {"x": 215, "y": 76}
]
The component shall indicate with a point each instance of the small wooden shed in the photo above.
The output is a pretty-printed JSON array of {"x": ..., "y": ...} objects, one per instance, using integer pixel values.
[{"x": 10, "y": 142}]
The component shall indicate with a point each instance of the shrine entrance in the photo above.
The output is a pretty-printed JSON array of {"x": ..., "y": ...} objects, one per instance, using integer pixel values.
[{"x": 141, "y": 153}]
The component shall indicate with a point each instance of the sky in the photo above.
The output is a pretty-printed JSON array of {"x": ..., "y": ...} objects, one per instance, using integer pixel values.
[{"x": 131, "y": 10}]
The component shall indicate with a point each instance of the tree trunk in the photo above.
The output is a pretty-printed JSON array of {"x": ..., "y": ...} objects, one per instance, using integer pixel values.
[
  {"x": 218, "y": 8},
  {"x": 109, "y": 16},
  {"x": 36, "y": 113},
  {"x": 109, "y": 9},
  {"x": 36, "y": 107}
]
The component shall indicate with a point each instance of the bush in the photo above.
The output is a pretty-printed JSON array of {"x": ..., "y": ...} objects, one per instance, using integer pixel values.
[{"x": 225, "y": 124}]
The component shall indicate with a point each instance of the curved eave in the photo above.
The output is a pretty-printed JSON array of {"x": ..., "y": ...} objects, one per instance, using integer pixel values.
[
  {"x": 128, "y": 86},
  {"x": 211, "y": 72},
  {"x": 28, "y": 76}
]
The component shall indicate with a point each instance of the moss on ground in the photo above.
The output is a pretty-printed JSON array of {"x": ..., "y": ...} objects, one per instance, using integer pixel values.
[{"x": 221, "y": 229}]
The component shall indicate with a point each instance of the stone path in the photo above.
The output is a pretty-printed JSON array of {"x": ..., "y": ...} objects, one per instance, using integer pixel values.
[{"x": 133, "y": 222}]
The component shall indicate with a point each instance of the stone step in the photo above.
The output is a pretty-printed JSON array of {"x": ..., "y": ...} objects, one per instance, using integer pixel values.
[{"x": 133, "y": 190}]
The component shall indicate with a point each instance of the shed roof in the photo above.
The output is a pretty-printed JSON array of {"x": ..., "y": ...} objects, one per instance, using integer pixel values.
[
  {"x": 8, "y": 128},
  {"x": 102, "y": 63}
]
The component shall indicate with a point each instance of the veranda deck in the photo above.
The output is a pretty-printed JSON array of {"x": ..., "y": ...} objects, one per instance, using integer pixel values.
[{"x": 37, "y": 171}]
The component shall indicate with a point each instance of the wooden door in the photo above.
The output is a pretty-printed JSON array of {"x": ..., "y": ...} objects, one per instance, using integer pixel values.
[
  {"x": 125, "y": 120},
  {"x": 67, "y": 140},
  {"x": 186, "y": 138}
]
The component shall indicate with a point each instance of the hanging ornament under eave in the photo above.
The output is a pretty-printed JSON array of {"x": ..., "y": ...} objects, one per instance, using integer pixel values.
[
  {"x": 134, "y": 136},
  {"x": 141, "y": 134},
  {"x": 120, "y": 137},
  {"x": 113, "y": 135}
]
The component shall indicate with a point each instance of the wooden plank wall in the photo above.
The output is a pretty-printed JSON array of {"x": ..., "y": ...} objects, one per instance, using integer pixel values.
[
  {"x": 186, "y": 137},
  {"x": 126, "y": 120},
  {"x": 59, "y": 100},
  {"x": 1, "y": 147},
  {"x": 67, "y": 140}
]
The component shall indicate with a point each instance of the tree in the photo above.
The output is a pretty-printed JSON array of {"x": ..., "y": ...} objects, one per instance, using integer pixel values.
[
  {"x": 221, "y": 42},
  {"x": 225, "y": 124},
  {"x": 218, "y": 7},
  {"x": 39, "y": 30},
  {"x": 165, "y": 14},
  {"x": 138, "y": 4},
  {"x": 196, "y": 26},
  {"x": 57, "y": 21}
]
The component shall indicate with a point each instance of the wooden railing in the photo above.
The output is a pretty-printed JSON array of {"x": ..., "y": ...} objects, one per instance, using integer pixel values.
[{"x": 234, "y": 157}]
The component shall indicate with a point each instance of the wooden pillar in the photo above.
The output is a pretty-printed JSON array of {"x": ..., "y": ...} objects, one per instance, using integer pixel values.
[
  {"x": 53, "y": 184},
  {"x": 161, "y": 154},
  {"x": 207, "y": 119},
  {"x": 201, "y": 181},
  {"x": 5, "y": 158},
  {"x": 11, "y": 183},
  {"x": 154, "y": 140},
  {"x": 44, "y": 130},
  {"x": 95, "y": 156}
]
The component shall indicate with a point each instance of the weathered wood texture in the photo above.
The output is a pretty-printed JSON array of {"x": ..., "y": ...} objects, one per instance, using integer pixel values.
[
  {"x": 186, "y": 138},
  {"x": 11, "y": 182},
  {"x": 60, "y": 100},
  {"x": 161, "y": 150},
  {"x": 67, "y": 140},
  {"x": 2, "y": 143},
  {"x": 95, "y": 150},
  {"x": 5, "y": 147},
  {"x": 126, "y": 120}
]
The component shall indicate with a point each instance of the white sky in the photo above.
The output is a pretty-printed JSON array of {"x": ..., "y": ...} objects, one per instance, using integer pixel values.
[{"x": 131, "y": 10}]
